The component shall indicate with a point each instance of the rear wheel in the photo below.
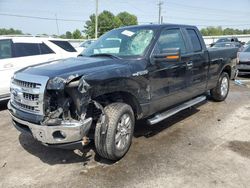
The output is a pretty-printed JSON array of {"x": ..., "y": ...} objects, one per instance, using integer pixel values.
[
  {"x": 220, "y": 92},
  {"x": 115, "y": 142}
]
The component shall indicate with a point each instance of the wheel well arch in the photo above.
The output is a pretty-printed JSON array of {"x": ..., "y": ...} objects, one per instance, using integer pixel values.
[
  {"x": 120, "y": 96},
  {"x": 228, "y": 70}
]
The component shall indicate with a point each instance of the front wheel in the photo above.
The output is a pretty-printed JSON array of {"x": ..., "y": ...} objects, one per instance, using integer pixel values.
[
  {"x": 220, "y": 92},
  {"x": 115, "y": 143}
]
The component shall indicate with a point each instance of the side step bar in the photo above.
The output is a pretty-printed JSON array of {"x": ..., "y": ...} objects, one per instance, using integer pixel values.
[{"x": 159, "y": 117}]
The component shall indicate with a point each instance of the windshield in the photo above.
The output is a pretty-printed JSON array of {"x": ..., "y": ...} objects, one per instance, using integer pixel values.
[
  {"x": 247, "y": 49},
  {"x": 87, "y": 43},
  {"x": 227, "y": 40},
  {"x": 122, "y": 43},
  {"x": 224, "y": 45},
  {"x": 224, "y": 40}
]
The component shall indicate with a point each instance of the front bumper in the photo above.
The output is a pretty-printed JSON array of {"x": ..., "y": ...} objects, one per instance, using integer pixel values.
[
  {"x": 243, "y": 68},
  {"x": 4, "y": 97},
  {"x": 67, "y": 132}
]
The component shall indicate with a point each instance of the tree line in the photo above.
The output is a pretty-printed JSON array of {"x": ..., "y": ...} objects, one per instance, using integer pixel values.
[
  {"x": 108, "y": 21},
  {"x": 10, "y": 31},
  {"x": 213, "y": 31}
]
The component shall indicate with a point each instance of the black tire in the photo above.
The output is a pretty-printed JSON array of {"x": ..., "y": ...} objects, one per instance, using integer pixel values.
[
  {"x": 105, "y": 143},
  {"x": 218, "y": 94}
]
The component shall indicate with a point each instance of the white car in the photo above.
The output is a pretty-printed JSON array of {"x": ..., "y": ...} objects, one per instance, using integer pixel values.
[
  {"x": 19, "y": 52},
  {"x": 85, "y": 45}
]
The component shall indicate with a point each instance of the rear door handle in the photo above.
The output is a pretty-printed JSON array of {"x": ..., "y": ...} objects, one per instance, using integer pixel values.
[{"x": 189, "y": 64}]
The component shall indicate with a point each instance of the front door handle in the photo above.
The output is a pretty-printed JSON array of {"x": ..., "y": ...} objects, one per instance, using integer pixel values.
[
  {"x": 189, "y": 64},
  {"x": 51, "y": 59},
  {"x": 9, "y": 65}
]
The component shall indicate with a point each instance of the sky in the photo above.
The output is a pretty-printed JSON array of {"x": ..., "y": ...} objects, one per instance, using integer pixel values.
[{"x": 72, "y": 14}]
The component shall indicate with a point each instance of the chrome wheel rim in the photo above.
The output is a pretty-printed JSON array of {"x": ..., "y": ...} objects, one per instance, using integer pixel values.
[
  {"x": 123, "y": 132},
  {"x": 224, "y": 86}
]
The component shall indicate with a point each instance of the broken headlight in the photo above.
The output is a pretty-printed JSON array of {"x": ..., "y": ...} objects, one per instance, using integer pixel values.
[{"x": 56, "y": 83}]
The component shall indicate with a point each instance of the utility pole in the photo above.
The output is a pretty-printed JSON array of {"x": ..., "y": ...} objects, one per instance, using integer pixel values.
[
  {"x": 57, "y": 27},
  {"x": 160, "y": 8},
  {"x": 96, "y": 19}
]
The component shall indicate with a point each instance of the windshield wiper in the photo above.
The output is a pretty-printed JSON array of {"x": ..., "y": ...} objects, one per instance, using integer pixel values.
[{"x": 104, "y": 54}]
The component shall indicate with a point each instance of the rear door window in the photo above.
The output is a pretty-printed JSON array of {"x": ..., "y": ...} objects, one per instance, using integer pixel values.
[
  {"x": 44, "y": 49},
  {"x": 64, "y": 45},
  {"x": 5, "y": 49},
  {"x": 194, "y": 40},
  {"x": 26, "y": 49}
]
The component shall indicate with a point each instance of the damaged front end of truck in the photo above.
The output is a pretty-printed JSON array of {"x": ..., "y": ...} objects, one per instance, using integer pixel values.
[{"x": 67, "y": 114}]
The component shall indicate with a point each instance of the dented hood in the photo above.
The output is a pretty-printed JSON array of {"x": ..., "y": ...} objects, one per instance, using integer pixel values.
[{"x": 87, "y": 66}]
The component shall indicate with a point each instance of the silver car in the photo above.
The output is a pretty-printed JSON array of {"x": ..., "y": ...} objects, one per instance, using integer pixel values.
[{"x": 244, "y": 61}]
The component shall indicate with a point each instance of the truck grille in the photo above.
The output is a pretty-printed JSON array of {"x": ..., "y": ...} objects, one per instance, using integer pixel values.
[
  {"x": 26, "y": 84},
  {"x": 27, "y": 93},
  {"x": 31, "y": 97},
  {"x": 26, "y": 107}
]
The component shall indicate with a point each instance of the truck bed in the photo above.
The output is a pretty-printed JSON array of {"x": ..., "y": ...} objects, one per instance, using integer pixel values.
[{"x": 226, "y": 53}]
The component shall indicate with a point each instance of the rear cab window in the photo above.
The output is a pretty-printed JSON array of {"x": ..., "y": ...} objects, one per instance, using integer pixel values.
[
  {"x": 195, "y": 41},
  {"x": 5, "y": 49},
  {"x": 64, "y": 45}
]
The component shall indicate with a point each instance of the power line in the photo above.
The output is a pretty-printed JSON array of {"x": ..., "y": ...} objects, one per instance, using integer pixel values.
[
  {"x": 208, "y": 13},
  {"x": 145, "y": 22},
  {"x": 201, "y": 25},
  {"x": 210, "y": 9},
  {"x": 41, "y": 18},
  {"x": 201, "y": 19}
]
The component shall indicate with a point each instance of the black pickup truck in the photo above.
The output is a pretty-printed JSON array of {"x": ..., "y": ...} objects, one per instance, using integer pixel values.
[{"x": 140, "y": 72}]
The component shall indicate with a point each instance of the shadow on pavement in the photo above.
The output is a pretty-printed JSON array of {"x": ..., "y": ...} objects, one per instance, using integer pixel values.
[
  {"x": 54, "y": 156},
  {"x": 143, "y": 129},
  {"x": 240, "y": 147},
  {"x": 3, "y": 105}
]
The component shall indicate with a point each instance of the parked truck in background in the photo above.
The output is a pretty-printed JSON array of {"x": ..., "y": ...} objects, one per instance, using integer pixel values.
[
  {"x": 244, "y": 61},
  {"x": 154, "y": 72}
]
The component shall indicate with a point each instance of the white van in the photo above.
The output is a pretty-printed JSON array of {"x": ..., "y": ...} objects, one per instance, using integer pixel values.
[{"x": 19, "y": 52}]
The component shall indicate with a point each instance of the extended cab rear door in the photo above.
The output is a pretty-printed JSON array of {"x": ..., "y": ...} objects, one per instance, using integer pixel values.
[
  {"x": 198, "y": 62},
  {"x": 169, "y": 79}
]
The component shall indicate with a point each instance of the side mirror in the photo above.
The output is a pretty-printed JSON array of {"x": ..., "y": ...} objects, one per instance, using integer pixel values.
[{"x": 168, "y": 55}]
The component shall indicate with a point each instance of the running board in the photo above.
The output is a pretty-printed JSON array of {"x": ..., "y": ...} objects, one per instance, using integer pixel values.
[{"x": 159, "y": 117}]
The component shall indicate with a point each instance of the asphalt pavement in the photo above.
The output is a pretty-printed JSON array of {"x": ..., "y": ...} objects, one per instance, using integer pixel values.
[{"x": 204, "y": 146}]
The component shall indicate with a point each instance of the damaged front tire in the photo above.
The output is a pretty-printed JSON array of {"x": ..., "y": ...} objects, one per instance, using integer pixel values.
[{"x": 114, "y": 143}]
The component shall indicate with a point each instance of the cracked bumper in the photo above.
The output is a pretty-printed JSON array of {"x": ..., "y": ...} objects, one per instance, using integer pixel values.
[{"x": 67, "y": 132}]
